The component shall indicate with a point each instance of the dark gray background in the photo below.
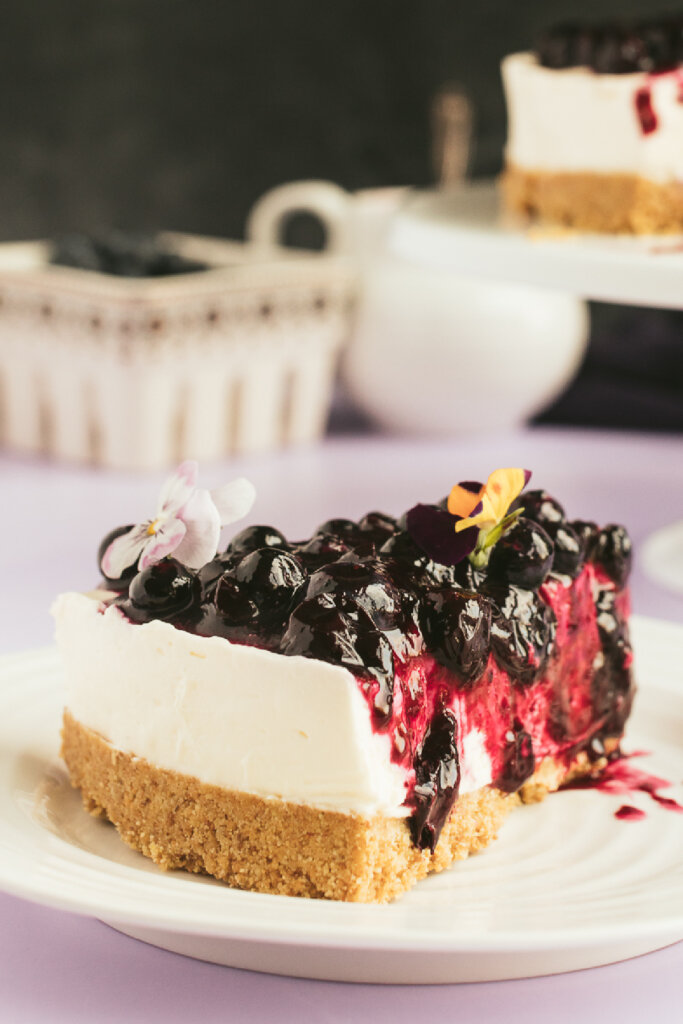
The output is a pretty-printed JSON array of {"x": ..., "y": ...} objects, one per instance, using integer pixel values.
[{"x": 180, "y": 113}]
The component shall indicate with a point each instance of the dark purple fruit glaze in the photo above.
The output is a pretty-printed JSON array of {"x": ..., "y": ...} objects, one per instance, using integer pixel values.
[
  {"x": 530, "y": 654},
  {"x": 653, "y": 46}
]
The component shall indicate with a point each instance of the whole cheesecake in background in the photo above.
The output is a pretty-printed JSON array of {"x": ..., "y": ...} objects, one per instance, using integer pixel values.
[
  {"x": 340, "y": 716},
  {"x": 595, "y": 127}
]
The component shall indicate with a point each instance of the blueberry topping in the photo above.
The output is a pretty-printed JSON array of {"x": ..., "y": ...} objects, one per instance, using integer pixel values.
[
  {"x": 570, "y": 549},
  {"x": 161, "y": 591},
  {"x": 210, "y": 573},
  {"x": 611, "y": 550},
  {"x": 402, "y": 549},
  {"x": 356, "y": 584},
  {"x": 344, "y": 529},
  {"x": 318, "y": 628},
  {"x": 612, "y": 684},
  {"x": 648, "y": 46},
  {"x": 321, "y": 549},
  {"x": 518, "y": 760},
  {"x": 253, "y": 537},
  {"x": 437, "y": 780},
  {"x": 587, "y": 531},
  {"x": 232, "y": 613},
  {"x": 522, "y": 632},
  {"x": 540, "y": 507},
  {"x": 121, "y": 582},
  {"x": 274, "y": 580},
  {"x": 378, "y": 525},
  {"x": 522, "y": 557},
  {"x": 457, "y": 628}
]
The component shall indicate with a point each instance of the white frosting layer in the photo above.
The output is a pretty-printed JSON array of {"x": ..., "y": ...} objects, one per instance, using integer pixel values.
[
  {"x": 576, "y": 120},
  {"x": 233, "y": 716}
]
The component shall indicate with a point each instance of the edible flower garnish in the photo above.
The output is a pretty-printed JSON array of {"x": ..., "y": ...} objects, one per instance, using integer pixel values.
[
  {"x": 187, "y": 523},
  {"x": 476, "y": 518}
]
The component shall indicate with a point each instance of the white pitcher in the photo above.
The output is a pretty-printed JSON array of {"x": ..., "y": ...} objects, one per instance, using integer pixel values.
[{"x": 432, "y": 352}]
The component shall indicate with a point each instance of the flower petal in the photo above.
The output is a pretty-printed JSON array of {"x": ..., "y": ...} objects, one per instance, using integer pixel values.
[
  {"x": 464, "y": 497},
  {"x": 203, "y": 529},
  {"x": 178, "y": 489},
  {"x": 124, "y": 551},
  {"x": 432, "y": 529},
  {"x": 482, "y": 515},
  {"x": 234, "y": 500},
  {"x": 502, "y": 487},
  {"x": 162, "y": 543}
]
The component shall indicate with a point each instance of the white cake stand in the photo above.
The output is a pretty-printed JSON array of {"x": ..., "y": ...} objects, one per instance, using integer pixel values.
[{"x": 464, "y": 230}]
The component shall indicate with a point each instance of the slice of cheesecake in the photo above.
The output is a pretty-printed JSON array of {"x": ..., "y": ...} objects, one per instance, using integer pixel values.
[
  {"x": 595, "y": 127},
  {"x": 341, "y": 716}
]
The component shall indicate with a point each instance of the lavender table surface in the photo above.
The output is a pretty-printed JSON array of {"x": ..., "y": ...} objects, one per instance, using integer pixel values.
[{"x": 60, "y": 967}]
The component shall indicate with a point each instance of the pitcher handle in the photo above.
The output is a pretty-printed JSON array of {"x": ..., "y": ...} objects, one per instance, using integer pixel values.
[{"x": 325, "y": 200}]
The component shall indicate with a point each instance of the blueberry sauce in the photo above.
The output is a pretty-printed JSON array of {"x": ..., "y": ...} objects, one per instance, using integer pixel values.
[
  {"x": 437, "y": 779},
  {"x": 645, "y": 110},
  {"x": 620, "y": 777},
  {"x": 628, "y": 813},
  {"x": 529, "y": 656}
]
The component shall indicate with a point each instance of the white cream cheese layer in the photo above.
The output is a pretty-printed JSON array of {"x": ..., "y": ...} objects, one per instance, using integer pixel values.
[
  {"x": 233, "y": 716},
  {"x": 576, "y": 120}
]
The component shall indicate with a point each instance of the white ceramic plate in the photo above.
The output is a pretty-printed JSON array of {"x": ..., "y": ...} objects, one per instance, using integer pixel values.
[
  {"x": 566, "y": 886},
  {"x": 463, "y": 230},
  {"x": 661, "y": 556}
]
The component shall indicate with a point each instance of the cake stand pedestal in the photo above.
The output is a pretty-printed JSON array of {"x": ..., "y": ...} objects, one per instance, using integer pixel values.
[{"x": 463, "y": 230}]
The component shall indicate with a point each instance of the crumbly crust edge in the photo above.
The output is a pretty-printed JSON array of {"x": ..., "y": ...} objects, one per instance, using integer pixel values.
[
  {"x": 273, "y": 846},
  {"x": 585, "y": 201}
]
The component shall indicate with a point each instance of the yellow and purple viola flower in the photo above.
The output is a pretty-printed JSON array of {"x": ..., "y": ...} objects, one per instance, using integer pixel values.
[
  {"x": 477, "y": 515},
  {"x": 187, "y": 523}
]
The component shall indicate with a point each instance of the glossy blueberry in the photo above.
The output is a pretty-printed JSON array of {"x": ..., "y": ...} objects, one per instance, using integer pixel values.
[
  {"x": 611, "y": 550},
  {"x": 522, "y": 632},
  {"x": 555, "y": 47},
  {"x": 522, "y": 557},
  {"x": 274, "y": 580},
  {"x": 437, "y": 779},
  {"x": 232, "y": 613},
  {"x": 612, "y": 684},
  {"x": 360, "y": 552},
  {"x": 587, "y": 531},
  {"x": 345, "y": 529},
  {"x": 402, "y": 548},
  {"x": 359, "y": 584},
  {"x": 210, "y": 573},
  {"x": 570, "y": 549},
  {"x": 253, "y": 537},
  {"x": 457, "y": 630},
  {"x": 540, "y": 507},
  {"x": 518, "y": 759},
  {"x": 318, "y": 628},
  {"x": 378, "y": 526},
  {"x": 122, "y": 581},
  {"x": 162, "y": 591},
  {"x": 321, "y": 549}
]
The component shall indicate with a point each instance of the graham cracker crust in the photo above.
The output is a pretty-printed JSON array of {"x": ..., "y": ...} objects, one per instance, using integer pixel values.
[
  {"x": 608, "y": 203},
  {"x": 271, "y": 846}
]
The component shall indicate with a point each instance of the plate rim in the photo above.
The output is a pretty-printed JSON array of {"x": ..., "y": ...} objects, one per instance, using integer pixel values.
[{"x": 281, "y": 929}]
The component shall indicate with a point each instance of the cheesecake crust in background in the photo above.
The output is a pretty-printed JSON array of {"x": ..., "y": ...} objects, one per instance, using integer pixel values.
[
  {"x": 272, "y": 846},
  {"x": 609, "y": 203}
]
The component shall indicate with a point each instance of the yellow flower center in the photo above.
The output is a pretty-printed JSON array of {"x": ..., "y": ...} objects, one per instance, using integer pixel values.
[{"x": 152, "y": 528}]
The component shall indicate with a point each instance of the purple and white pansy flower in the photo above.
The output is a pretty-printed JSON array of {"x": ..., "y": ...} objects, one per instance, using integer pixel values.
[{"x": 187, "y": 524}]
